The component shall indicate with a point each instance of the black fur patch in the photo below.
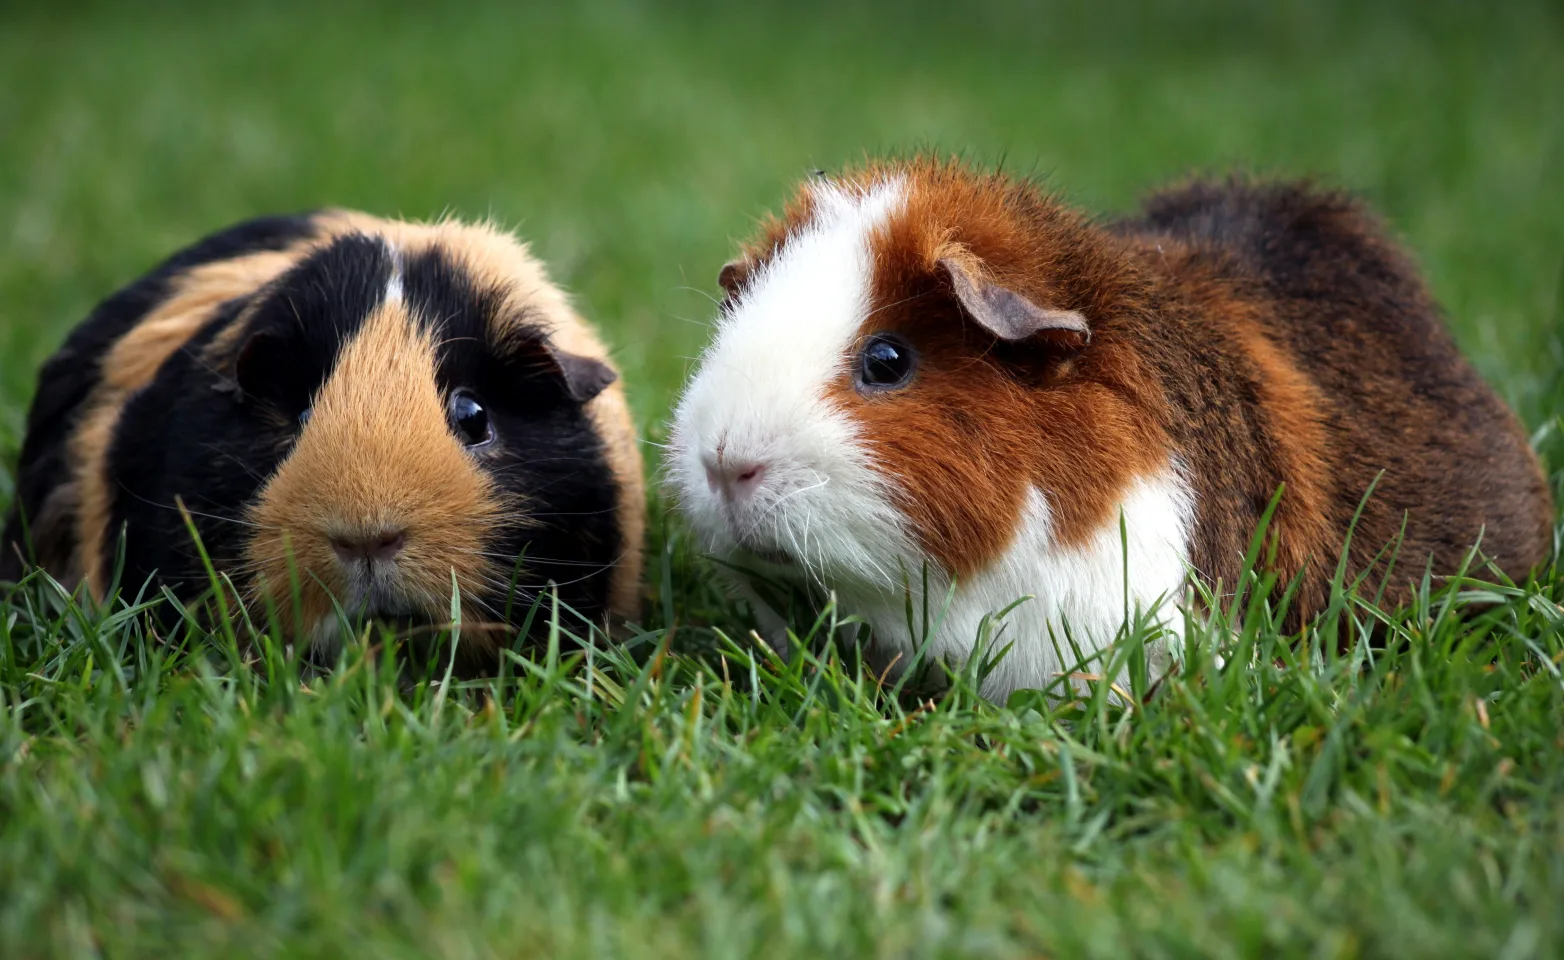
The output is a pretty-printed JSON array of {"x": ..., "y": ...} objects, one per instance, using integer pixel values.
[
  {"x": 69, "y": 376},
  {"x": 546, "y": 449},
  {"x": 191, "y": 434}
]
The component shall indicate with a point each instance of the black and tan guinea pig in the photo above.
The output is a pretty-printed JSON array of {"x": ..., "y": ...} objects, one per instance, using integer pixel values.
[
  {"x": 362, "y": 407},
  {"x": 921, "y": 366}
]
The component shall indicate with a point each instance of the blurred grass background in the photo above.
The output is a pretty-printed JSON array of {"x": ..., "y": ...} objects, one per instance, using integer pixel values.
[
  {"x": 634, "y": 143},
  {"x": 1406, "y": 807}
]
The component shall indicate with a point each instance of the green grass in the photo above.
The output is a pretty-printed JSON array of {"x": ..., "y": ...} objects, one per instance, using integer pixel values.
[{"x": 1401, "y": 801}]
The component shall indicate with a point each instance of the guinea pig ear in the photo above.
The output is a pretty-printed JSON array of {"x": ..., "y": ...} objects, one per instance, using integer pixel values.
[
  {"x": 732, "y": 277},
  {"x": 534, "y": 357},
  {"x": 1010, "y": 316},
  {"x": 584, "y": 377},
  {"x": 267, "y": 367}
]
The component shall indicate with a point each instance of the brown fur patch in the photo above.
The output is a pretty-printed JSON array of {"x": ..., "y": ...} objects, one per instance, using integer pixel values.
[
  {"x": 983, "y": 422},
  {"x": 377, "y": 455},
  {"x": 1258, "y": 333},
  {"x": 1293, "y": 409}
]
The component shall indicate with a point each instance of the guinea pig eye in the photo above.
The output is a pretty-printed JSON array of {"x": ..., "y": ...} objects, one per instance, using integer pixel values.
[
  {"x": 304, "y": 415},
  {"x": 886, "y": 361},
  {"x": 469, "y": 419}
]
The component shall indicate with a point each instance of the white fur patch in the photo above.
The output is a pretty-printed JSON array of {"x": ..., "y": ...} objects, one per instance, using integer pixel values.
[
  {"x": 760, "y": 396},
  {"x": 1079, "y": 595},
  {"x": 393, "y": 295}
]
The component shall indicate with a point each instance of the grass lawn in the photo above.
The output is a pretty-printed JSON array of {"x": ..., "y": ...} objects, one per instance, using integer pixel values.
[{"x": 695, "y": 801}]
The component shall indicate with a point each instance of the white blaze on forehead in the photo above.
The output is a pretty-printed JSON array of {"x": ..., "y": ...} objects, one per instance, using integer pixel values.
[
  {"x": 788, "y": 335},
  {"x": 760, "y": 395},
  {"x": 393, "y": 295}
]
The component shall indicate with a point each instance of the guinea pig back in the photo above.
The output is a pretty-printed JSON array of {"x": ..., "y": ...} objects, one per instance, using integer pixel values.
[
  {"x": 924, "y": 367},
  {"x": 351, "y": 409}
]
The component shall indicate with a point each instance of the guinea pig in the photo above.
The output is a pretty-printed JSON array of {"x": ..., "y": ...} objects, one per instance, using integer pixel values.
[
  {"x": 924, "y": 368},
  {"x": 371, "y": 413}
]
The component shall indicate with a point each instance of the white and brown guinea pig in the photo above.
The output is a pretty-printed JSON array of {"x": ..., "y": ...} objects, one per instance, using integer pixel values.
[
  {"x": 920, "y": 363},
  {"x": 392, "y": 403}
]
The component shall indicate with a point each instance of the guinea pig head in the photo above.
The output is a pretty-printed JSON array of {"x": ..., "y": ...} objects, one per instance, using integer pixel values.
[
  {"x": 904, "y": 359},
  {"x": 429, "y": 430}
]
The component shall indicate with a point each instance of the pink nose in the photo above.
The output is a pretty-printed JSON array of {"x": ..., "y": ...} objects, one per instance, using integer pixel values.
[
  {"x": 735, "y": 480},
  {"x": 373, "y": 546}
]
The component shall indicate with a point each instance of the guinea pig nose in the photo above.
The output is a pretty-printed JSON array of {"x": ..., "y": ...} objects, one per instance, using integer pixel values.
[
  {"x": 735, "y": 479},
  {"x": 374, "y": 545},
  {"x": 748, "y": 476}
]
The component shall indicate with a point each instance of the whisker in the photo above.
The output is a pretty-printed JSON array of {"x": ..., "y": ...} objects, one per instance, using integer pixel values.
[
  {"x": 194, "y": 513},
  {"x": 898, "y": 303},
  {"x": 214, "y": 448},
  {"x": 510, "y": 559},
  {"x": 716, "y": 302},
  {"x": 780, "y": 500},
  {"x": 574, "y": 513}
]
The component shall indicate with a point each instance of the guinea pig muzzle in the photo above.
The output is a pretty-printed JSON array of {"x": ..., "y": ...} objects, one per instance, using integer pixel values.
[
  {"x": 370, "y": 579},
  {"x": 745, "y": 498}
]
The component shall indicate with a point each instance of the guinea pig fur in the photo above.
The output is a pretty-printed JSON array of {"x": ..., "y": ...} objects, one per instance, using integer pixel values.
[
  {"x": 389, "y": 404},
  {"x": 925, "y": 367}
]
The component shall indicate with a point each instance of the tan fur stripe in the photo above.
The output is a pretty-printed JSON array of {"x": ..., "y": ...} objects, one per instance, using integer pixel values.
[
  {"x": 377, "y": 455},
  {"x": 131, "y": 365},
  {"x": 1294, "y": 408}
]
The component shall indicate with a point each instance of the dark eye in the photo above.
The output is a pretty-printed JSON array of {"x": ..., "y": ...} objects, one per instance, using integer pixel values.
[
  {"x": 886, "y": 361},
  {"x": 304, "y": 417},
  {"x": 469, "y": 419}
]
